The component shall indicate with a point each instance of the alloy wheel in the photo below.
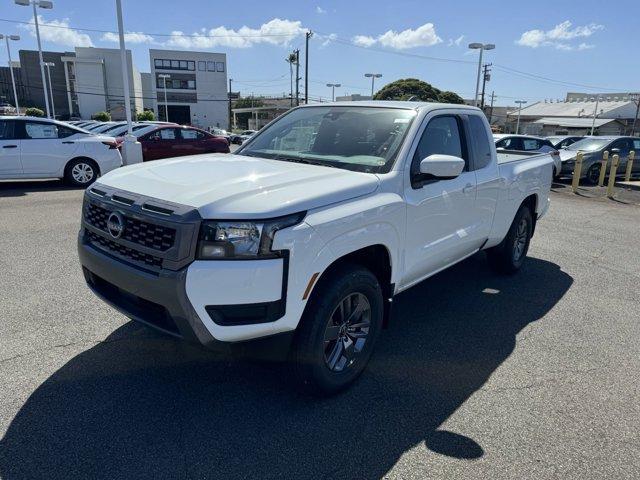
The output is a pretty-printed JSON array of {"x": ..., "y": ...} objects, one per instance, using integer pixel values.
[
  {"x": 520, "y": 242},
  {"x": 82, "y": 173},
  {"x": 346, "y": 332}
]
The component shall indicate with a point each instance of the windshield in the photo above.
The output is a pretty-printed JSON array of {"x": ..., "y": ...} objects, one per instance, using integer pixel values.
[
  {"x": 364, "y": 139},
  {"x": 589, "y": 144}
]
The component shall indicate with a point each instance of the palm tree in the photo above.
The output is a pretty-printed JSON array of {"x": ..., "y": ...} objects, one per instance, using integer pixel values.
[{"x": 291, "y": 59}]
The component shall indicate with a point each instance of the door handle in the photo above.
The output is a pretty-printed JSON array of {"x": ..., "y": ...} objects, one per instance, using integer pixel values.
[
  {"x": 467, "y": 188},
  {"x": 68, "y": 142},
  {"x": 10, "y": 146}
]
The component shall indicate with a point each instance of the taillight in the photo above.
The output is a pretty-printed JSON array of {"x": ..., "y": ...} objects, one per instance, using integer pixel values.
[{"x": 111, "y": 145}]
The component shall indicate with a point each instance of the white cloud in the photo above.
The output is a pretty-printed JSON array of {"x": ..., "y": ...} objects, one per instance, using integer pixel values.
[
  {"x": 559, "y": 36},
  {"x": 457, "y": 42},
  {"x": 58, "y": 32},
  {"x": 327, "y": 39},
  {"x": 129, "y": 37},
  {"x": 363, "y": 40},
  {"x": 274, "y": 32},
  {"x": 320, "y": 10},
  {"x": 423, "y": 36}
]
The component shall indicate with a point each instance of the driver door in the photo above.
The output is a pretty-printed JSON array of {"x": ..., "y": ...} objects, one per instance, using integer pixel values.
[{"x": 440, "y": 213}]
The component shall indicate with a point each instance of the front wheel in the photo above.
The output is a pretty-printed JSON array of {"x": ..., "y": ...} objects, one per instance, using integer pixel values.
[
  {"x": 81, "y": 172},
  {"x": 509, "y": 255},
  {"x": 338, "y": 330}
]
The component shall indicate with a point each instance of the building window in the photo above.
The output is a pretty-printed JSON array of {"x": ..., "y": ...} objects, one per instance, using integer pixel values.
[
  {"x": 219, "y": 66},
  {"x": 202, "y": 66},
  {"x": 191, "y": 84},
  {"x": 211, "y": 66},
  {"x": 176, "y": 83},
  {"x": 176, "y": 64}
]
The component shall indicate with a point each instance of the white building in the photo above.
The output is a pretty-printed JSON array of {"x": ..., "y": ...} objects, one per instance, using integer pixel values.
[
  {"x": 576, "y": 116},
  {"x": 94, "y": 80},
  {"x": 196, "y": 87}
]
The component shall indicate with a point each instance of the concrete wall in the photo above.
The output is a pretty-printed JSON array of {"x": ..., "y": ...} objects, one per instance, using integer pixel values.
[
  {"x": 99, "y": 75},
  {"x": 208, "y": 103}
]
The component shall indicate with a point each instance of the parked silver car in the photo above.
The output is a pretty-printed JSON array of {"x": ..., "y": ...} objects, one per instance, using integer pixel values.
[{"x": 593, "y": 149}]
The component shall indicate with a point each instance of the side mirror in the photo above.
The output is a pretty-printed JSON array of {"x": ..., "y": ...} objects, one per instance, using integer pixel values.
[
  {"x": 615, "y": 150},
  {"x": 442, "y": 166}
]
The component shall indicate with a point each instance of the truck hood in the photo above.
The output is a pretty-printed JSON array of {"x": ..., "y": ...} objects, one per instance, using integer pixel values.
[{"x": 227, "y": 186}]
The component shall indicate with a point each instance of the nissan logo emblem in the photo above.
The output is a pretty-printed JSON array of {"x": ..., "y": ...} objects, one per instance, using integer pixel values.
[{"x": 115, "y": 225}]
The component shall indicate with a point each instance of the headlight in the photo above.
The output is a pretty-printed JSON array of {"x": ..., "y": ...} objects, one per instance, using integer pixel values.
[{"x": 240, "y": 239}]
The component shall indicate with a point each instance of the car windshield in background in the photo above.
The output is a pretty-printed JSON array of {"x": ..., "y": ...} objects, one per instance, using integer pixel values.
[
  {"x": 589, "y": 144},
  {"x": 364, "y": 139}
]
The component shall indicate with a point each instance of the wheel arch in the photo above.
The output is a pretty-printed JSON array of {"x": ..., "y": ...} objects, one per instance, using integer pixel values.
[
  {"x": 531, "y": 202},
  {"x": 82, "y": 157},
  {"x": 376, "y": 258}
]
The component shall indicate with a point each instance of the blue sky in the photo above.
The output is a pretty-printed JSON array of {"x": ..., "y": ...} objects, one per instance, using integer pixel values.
[{"x": 577, "y": 42}]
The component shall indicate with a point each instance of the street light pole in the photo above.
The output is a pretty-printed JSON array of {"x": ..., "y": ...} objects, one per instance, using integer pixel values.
[
  {"x": 520, "y": 103},
  {"x": 53, "y": 105},
  {"x": 373, "y": 77},
  {"x": 13, "y": 80},
  {"x": 125, "y": 69},
  {"x": 164, "y": 77},
  {"x": 46, "y": 5},
  {"x": 482, "y": 48},
  {"x": 333, "y": 90}
]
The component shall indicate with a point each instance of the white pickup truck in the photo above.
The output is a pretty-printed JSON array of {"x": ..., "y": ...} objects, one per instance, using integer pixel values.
[{"x": 295, "y": 245}]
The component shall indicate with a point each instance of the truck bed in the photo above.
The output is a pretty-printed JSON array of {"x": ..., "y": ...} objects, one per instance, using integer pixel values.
[{"x": 506, "y": 156}]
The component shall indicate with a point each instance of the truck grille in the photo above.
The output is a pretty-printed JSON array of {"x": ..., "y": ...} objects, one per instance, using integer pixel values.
[
  {"x": 125, "y": 252},
  {"x": 156, "y": 237}
]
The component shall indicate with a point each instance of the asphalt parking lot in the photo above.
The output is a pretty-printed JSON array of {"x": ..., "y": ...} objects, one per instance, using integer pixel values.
[{"x": 479, "y": 376}]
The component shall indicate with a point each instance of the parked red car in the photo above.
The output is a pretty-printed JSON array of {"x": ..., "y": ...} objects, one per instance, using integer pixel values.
[{"x": 176, "y": 141}]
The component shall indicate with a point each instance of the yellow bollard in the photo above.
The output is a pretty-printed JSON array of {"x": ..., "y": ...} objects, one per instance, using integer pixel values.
[
  {"x": 612, "y": 175},
  {"x": 603, "y": 167},
  {"x": 577, "y": 170},
  {"x": 632, "y": 156}
]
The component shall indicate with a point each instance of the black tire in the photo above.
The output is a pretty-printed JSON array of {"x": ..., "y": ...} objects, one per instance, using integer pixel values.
[
  {"x": 509, "y": 255},
  {"x": 321, "y": 366},
  {"x": 81, "y": 172},
  {"x": 593, "y": 174}
]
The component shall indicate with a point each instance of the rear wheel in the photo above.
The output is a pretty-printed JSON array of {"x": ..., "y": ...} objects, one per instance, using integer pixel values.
[
  {"x": 81, "y": 172},
  {"x": 509, "y": 255},
  {"x": 338, "y": 330},
  {"x": 593, "y": 174}
]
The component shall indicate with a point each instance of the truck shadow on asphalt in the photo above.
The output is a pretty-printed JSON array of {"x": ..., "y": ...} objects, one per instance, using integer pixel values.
[
  {"x": 24, "y": 187},
  {"x": 140, "y": 405}
]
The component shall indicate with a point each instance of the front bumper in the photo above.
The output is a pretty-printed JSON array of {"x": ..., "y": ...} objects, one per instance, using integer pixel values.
[{"x": 160, "y": 300}]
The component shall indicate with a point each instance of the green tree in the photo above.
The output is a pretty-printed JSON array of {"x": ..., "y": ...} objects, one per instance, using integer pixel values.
[
  {"x": 450, "y": 97},
  {"x": 101, "y": 116},
  {"x": 414, "y": 89},
  {"x": 146, "y": 116},
  {"x": 34, "y": 112}
]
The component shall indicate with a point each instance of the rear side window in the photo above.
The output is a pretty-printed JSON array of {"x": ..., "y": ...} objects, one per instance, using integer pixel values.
[
  {"x": 66, "y": 132},
  {"x": 480, "y": 141},
  {"x": 7, "y": 130},
  {"x": 168, "y": 134},
  {"x": 636, "y": 146},
  {"x": 189, "y": 134},
  {"x": 40, "y": 130},
  {"x": 530, "y": 144}
]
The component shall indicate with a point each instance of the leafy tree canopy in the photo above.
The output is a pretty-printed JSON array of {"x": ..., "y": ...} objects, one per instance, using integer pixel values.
[
  {"x": 412, "y": 88},
  {"x": 34, "y": 112},
  {"x": 101, "y": 116}
]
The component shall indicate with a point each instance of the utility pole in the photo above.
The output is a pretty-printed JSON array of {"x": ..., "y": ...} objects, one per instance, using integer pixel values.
[
  {"x": 230, "y": 125},
  {"x": 520, "y": 103},
  {"x": 486, "y": 77},
  {"x": 493, "y": 96},
  {"x": 297, "y": 52},
  {"x": 308, "y": 35},
  {"x": 595, "y": 114}
]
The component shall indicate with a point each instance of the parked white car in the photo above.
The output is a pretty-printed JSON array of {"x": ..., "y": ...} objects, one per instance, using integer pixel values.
[
  {"x": 296, "y": 245},
  {"x": 32, "y": 147}
]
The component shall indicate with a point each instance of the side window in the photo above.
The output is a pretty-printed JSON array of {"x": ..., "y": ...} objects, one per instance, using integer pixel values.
[
  {"x": 7, "y": 130},
  {"x": 168, "y": 134},
  {"x": 636, "y": 147},
  {"x": 188, "y": 134},
  {"x": 40, "y": 130},
  {"x": 501, "y": 143},
  {"x": 442, "y": 135},
  {"x": 64, "y": 132},
  {"x": 530, "y": 144},
  {"x": 480, "y": 141},
  {"x": 620, "y": 144}
]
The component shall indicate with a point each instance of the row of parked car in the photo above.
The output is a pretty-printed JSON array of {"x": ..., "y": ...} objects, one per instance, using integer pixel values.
[
  {"x": 80, "y": 151},
  {"x": 564, "y": 150}
]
